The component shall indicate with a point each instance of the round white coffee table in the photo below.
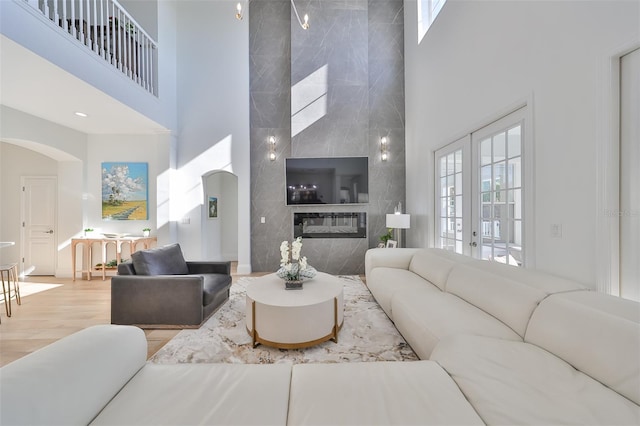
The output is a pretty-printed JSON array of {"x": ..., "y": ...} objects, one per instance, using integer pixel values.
[{"x": 291, "y": 319}]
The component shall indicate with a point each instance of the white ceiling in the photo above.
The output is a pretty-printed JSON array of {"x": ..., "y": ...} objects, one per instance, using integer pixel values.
[{"x": 34, "y": 85}]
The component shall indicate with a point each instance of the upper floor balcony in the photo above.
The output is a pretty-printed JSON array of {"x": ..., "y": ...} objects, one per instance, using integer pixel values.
[{"x": 106, "y": 30}]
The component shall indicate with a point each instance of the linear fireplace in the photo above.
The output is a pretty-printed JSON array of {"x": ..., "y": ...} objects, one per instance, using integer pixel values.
[{"x": 330, "y": 225}]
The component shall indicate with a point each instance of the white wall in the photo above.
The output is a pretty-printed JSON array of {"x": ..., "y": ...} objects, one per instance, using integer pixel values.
[
  {"x": 482, "y": 57},
  {"x": 38, "y": 147},
  {"x": 123, "y": 148},
  {"x": 213, "y": 116}
]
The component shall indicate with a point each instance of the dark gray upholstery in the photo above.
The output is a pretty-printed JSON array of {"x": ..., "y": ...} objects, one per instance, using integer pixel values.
[
  {"x": 168, "y": 300},
  {"x": 167, "y": 260}
]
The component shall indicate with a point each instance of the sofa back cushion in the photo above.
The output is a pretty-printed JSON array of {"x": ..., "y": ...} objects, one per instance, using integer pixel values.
[
  {"x": 596, "y": 333},
  {"x": 434, "y": 265},
  {"x": 510, "y": 301},
  {"x": 70, "y": 381},
  {"x": 541, "y": 280},
  {"x": 167, "y": 260}
]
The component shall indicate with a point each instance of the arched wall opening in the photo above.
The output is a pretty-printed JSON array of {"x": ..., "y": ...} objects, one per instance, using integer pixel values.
[
  {"x": 220, "y": 231},
  {"x": 20, "y": 158}
]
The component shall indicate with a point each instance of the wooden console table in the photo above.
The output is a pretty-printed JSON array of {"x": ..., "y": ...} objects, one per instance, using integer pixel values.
[{"x": 87, "y": 249}]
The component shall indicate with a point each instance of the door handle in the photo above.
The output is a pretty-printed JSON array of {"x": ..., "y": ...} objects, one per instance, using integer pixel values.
[
  {"x": 473, "y": 244},
  {"x": 50, "y": 231}
]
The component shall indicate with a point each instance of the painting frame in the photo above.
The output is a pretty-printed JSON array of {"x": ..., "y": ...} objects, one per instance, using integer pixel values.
[
  {"x": 212, "y": 207},
  {"x": 125, "y": 190},
  {"x": 392, "y": 244}
]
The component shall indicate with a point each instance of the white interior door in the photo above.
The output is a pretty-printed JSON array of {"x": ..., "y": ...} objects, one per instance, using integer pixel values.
[
  {"x": 39, "y": 225},
  {"x": 630, "y": 175}
]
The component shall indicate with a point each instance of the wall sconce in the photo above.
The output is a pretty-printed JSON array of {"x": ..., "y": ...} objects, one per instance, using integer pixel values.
[
  {"x": 239, "y": 12},
  {"x": 272, "y": 148},
  {"x": 384, "y": 148}
]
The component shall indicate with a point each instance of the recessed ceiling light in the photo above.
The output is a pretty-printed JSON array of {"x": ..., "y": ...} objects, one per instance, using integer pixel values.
[{"x": 81, "y": 114}]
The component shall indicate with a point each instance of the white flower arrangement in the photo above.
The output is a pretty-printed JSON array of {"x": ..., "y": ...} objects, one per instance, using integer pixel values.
[{"x": 293, "y": 266}]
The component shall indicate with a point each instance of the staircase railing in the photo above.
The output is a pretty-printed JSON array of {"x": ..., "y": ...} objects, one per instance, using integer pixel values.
[{"x": 105, "y": 28}]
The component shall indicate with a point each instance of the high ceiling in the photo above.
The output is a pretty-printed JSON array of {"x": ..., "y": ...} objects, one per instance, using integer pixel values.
[{"x": 35, "y": 86}]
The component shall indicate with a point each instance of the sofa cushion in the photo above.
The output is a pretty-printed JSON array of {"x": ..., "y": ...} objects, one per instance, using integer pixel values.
[
  {"x": 385, "y": 282},
  {"x": 434, "y": 265},
  {"x": 202, "y": 394},
  {"x": 69, "y": 381},
  {"x": 597, "y": 333},
  {"x": 543, "y": 281},
  {"x": 213, "y": 285},
  {"x": 518, "y": 383},
  {"x": 167, "y": 260},
  {"x": 376, "y": 393},
  {"x": 424, "y": 317},
  {"x": 510, "y": 301}
]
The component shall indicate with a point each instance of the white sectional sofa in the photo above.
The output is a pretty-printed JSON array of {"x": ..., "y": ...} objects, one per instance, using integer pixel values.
[
  {"x": 499, "y": 345},
  {"x": 524, "y": 347},
  {"x": 100, "y": 376}
]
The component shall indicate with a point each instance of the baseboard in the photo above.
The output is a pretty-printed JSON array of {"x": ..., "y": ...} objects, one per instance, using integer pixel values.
[{"x": 244, "y": 269}]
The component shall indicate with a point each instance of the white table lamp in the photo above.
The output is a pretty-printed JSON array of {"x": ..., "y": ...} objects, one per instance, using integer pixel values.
[{"x": 399, "y": 221}]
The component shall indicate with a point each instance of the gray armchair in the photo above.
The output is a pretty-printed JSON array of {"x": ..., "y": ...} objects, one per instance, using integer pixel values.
[{"x": 159, "y": 289}]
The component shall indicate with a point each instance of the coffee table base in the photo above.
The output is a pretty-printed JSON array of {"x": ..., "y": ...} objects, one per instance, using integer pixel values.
[{"x": 257, "y": 340}]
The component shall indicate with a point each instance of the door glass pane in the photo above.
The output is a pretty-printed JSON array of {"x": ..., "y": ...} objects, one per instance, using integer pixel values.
[
  {"x": 517, "y": 204},
  {"x": 500, "y": 177},
  {"x": 499, "y": 147},
  {"x": 443, "y": 166},
  {"x": 485, "y": 151},
  {"x": 443, "y": 186},
  {"x": 514, "y": 142}
]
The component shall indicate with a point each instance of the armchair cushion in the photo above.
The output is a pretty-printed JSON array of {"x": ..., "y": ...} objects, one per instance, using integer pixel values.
[{"x": 167, "y": 260}]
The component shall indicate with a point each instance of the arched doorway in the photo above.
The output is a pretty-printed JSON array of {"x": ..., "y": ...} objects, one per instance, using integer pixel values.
[{"x": 220, "y": 216}]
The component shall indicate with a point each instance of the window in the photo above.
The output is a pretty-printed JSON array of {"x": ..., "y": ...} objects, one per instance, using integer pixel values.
[{"x": 427, "y": 12}]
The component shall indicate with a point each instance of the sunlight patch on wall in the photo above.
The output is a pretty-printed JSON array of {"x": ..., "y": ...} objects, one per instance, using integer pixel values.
[
  {"x": 309, "y": 100},
  {"x": 163, "y": 189},
  {"x": 186, "y": 185}
]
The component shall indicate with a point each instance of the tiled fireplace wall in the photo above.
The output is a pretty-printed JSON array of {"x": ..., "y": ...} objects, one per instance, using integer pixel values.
[{"x": 356, "y": 47}]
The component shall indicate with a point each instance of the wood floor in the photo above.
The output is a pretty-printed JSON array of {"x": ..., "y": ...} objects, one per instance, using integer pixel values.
[{"x": 53, "y": 308}]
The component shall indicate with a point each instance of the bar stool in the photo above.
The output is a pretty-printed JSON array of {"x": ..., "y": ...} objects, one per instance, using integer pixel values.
[{"x": 9, "y": 273}]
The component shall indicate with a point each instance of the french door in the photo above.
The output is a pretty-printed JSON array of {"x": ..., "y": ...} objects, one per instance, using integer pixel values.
[{"x": 480, "y": 192}]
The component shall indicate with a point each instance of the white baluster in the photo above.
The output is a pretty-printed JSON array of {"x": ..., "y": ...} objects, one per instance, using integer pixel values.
[
  {"x": 65, "y": 21},
  {"x": 83, "y": 36},
  {"x": 108, "y": 34},
  {"x": 56, "y": 16},
  {"x": 74, "y": 29}
]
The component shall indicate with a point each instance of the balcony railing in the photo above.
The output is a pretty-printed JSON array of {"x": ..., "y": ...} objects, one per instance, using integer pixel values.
[{"x": 105, "y": 28}]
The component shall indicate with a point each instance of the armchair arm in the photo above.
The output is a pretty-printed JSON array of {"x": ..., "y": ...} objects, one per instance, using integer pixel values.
[
  {"x": 157, "y": 299},
  {"x": 209, "y": 268}
]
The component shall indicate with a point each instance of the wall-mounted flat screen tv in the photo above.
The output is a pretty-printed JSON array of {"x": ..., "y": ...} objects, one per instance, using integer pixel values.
[{"x": 327, "y": 180}]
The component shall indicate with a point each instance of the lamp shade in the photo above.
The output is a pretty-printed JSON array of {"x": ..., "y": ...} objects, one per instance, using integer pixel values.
[{"x": 399, "y": 221}]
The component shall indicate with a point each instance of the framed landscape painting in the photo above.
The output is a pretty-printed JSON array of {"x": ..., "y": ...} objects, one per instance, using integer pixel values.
[{"x": 125, "y": 191}]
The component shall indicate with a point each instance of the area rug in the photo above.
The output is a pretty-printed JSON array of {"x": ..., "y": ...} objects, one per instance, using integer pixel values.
[{"x": 367, "y": 335}]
